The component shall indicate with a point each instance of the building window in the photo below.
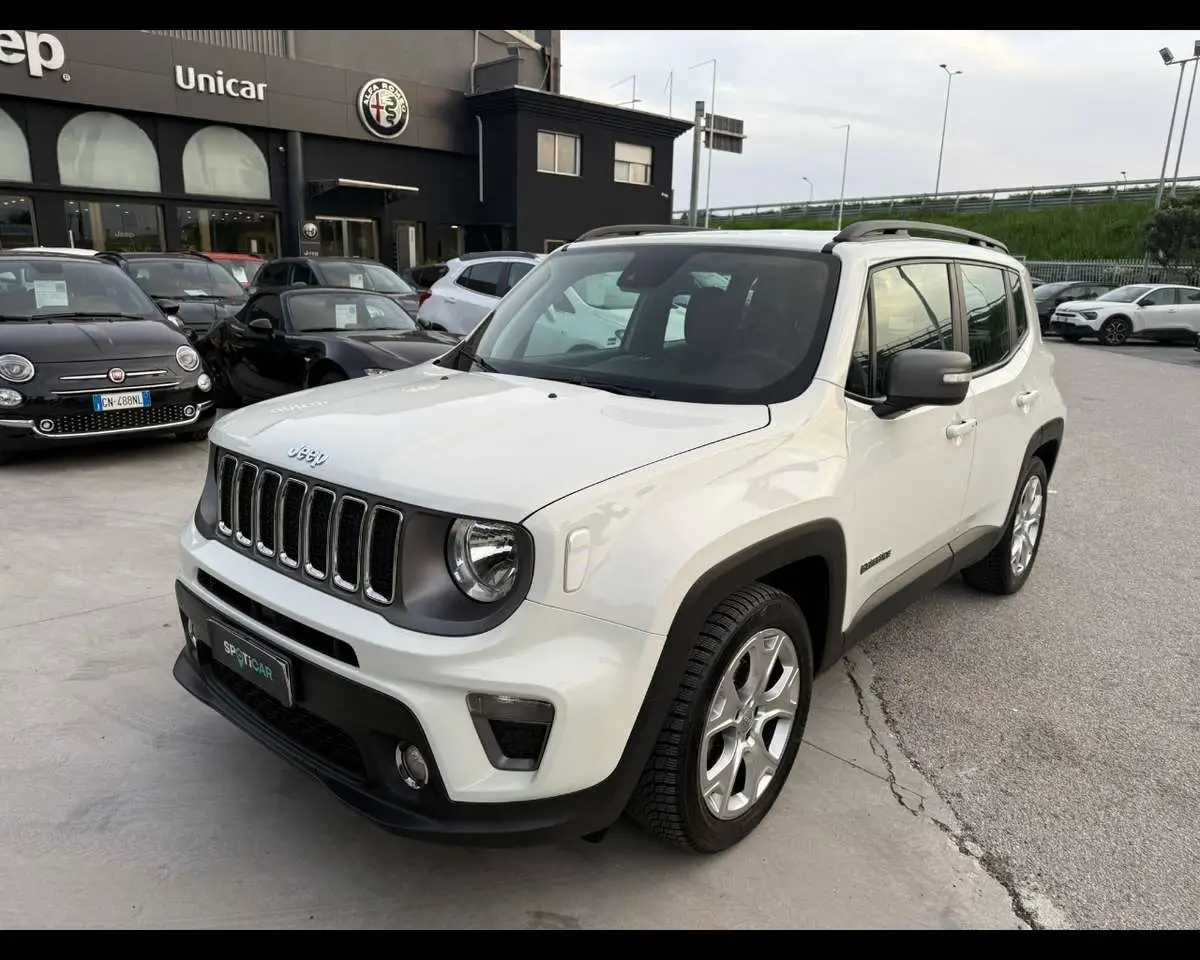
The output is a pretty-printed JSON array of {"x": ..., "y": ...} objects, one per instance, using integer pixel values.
[
  {"x": 107, "y": 151},
  {"x": 14, "y": 151},
  {"x": 632, "y": 163},
  {"x": 116, "y": 227},
  {"x": 229, "y": 231},
  {"x": 224, "y": 162},
  {"x": 558, "y": 153},
  {"x": 16, "y": 221}
]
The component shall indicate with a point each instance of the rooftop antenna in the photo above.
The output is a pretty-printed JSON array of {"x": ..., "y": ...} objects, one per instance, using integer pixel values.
[
  {"x": 670, "y": 91},
  {"x": 628, "y": 103}
]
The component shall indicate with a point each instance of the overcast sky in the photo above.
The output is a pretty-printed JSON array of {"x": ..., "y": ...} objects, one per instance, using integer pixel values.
[{"x": 1031, "y": 107}]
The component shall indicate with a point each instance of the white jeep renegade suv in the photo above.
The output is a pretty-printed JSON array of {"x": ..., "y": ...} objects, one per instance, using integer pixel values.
[{"x": 508, "y": 594}]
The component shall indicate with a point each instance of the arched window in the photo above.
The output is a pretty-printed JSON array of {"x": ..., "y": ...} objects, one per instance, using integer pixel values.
[
  {"x": 14, "y": 151},
  {"x": 223, "y": 162},
  {"x": 107, "y": 151}
]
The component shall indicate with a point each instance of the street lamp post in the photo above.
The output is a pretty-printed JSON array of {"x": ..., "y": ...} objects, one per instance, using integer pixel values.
[
  {"x": 845, "y": 158},
  {"x": 950, "y": 75},
  {"x": 712, "y": 112},
  {"x": 810, "y": 189},
  {"x": 1168, "y": 58},
  {"x": 1187, "y": 112}
]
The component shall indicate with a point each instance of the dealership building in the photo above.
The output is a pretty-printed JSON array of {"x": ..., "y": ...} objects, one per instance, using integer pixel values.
[{"x": 400, "y": 145}]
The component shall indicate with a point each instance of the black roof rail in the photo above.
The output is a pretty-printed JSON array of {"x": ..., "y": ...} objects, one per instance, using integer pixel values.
[
  {"x": 635, "y": 230},
  {"x": 483, "y": 254},
  {"x": 878, "y": 229}
]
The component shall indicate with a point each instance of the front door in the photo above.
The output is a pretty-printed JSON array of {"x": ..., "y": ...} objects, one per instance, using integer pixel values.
[
  {"x": 348, "y": 237},
  {"x": 410, "y": 245},
  {"x": 911, "y": 471}
]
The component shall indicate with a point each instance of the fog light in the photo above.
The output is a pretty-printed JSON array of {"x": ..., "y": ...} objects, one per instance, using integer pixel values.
[
  {"x": 10, "y": 398},
  {"x": 46, "y": 426},
  {"x": 204, "y": 382},
  {"x": 411, "y": 765},
  {"x": 189, "y": 411}
]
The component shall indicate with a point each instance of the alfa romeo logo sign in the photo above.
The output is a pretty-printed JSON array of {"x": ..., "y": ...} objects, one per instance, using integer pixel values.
[
  {"x": 383, "y": 108},
  {"x": 309, "y": 231}
]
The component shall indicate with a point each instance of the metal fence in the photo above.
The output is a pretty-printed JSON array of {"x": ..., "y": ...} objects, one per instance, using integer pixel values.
[
  {"x": 1116, "y": 272},
  {"x": 962, "y": 201}
]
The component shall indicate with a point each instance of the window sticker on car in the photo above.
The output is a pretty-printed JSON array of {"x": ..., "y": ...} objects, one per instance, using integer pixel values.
[
  {"x": 193, "y": 293},
  {"x": 356, "y": 280},
  {"x": 50, "y": 293},
  {"x": 239, "y": 273},
  {"x": 345, "y": 315}
]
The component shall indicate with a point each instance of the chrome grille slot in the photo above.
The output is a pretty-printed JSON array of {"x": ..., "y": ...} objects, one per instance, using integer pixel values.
[
  {"x": 243, "y": 503},
  {"x": 347, "y": 543},
  {"x": 266, "y": 511},
  {"x": 380, "y": 555},
  {"x": 318, "y": 522},
  {"x": 226, "y": 471},
  {"x": 291, "y": 511}
]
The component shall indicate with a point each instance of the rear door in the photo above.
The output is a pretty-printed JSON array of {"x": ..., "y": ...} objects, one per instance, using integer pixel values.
[{"x": 477, "y": 291}]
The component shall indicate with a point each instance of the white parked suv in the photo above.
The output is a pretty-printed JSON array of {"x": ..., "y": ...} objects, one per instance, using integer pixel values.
[
  {"x": 512, "y": 592},
  {"x": 1151, "y": 311},
  {"x": 471, "y": 287}
]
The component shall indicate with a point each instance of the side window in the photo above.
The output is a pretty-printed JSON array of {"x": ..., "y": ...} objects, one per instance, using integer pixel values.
[
  {"x": 1020, "y": 307},
  {"x": 1162, "y": 297},
  {"x": 909, "y": 306},
  {"x": 989, "y": 339},
  {"x": 272, "y": 275},
  {"x": 303, "y": 273},
  {"x": 1190, "y": 296},
  {"x": 516, "y": 270},
  {"x": 267, "y": 306},
  {"x": 483, "y": 278}
]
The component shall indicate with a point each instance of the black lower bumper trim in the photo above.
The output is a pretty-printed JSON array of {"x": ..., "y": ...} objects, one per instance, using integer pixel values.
[{"x": 344, "y": 735}]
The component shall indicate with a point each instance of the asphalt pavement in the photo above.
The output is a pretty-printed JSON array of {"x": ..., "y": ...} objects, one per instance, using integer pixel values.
[
  {"x": 1063, "y": 724},
  {"x": 1053, "y": 778}
]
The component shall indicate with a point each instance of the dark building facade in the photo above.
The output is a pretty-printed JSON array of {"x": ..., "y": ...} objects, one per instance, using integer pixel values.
[{"x": 404, "y": 146}]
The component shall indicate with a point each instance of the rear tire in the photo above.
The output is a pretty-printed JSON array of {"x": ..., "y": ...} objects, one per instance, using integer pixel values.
[
  {"x": 731, "y": 735},
  {"x": 1115, "y": 331},
  {"x": 1007, "y": 567}
]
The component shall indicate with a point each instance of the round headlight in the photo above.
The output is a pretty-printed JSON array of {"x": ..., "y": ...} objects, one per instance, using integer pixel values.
[
  {"x": 15, "y": 368},
  {"x": 187, "y": 358},
  {"x": 482, "y": 558}
]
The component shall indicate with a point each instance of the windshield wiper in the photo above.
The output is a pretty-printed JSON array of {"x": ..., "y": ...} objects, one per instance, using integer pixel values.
[
  {"x": 465, "y": 351},
  {"x": 88, "y": 314},
  {"x": 618, "y": 388}
]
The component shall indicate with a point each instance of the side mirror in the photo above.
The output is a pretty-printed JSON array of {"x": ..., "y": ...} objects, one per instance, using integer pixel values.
[
  {"x": 917, "y": 378},
  {"x": 261, "y": 325},
  {"x": 169, "y": 307}
]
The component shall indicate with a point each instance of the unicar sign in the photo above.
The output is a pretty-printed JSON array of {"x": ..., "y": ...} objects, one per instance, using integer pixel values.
[
  {"x": 38, "y": 51},
  {"x": 219, "y": 85}
]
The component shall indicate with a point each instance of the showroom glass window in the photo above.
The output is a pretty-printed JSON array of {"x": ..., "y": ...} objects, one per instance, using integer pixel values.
[
  {"x": 110, "y": 152},
  {"x": 16, "y": 212}
]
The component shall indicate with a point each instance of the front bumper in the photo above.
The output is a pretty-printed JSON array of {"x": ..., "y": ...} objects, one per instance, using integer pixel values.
[
  {"x": 412, "y": 688},
  {"x": 1077, "y": 328},
  {"x": 62, "y": 420}
]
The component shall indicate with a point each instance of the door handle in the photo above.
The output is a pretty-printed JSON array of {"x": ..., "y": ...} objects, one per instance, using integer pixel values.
[
  {"x": 451, "y": 300},
  {"x": 1025, "y": 400},
  {"x": 956, "y": 431}
]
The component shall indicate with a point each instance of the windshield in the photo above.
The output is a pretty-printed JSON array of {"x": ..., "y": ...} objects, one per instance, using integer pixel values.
[
  {"x": 324, "y": 310},
  {"x": 1126, "y": 294},
  {"x": 183, "y": 279},
  {"x": 36, "y": 287},
  {"x": 676, "y": 321},
  {"x": 1048, "y": 291},
  {"x": 365, "y": 276}
]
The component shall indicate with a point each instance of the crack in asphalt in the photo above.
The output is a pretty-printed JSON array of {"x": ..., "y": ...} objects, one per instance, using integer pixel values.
[{"x": 995, "y": 867}]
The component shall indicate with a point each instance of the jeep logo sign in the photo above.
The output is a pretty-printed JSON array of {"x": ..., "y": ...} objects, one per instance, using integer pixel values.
[{"x": 38, "y": 51}]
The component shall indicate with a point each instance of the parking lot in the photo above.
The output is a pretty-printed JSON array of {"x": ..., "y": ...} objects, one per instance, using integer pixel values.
[{"x": 980, "y": 763}]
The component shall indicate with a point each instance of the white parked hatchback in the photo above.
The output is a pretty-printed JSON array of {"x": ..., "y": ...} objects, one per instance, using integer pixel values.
[
  {"x": 471, "y": 287},
  {"x": 556, "y": 574},
  {"x": 1166, "y": 312}
]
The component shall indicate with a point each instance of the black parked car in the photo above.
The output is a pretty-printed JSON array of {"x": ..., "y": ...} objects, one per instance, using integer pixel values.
[
  {"x": 354, "y": 273},
  {"x": 1051, "y": 295},
  {"x": 204, "y": 291},
  {"x": 85, "y": 355},
  {"x": 307, "y": 336}
]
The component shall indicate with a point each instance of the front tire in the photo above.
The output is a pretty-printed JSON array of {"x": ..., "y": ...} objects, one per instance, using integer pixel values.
[
  {"x": 333, "y": 376},
  {"x": 731, "y": 735},
  {"x": 191, "y": 436},
  {"x": 1007, "y": 567},
  {"x": 1071, "y": 337},
  {"x": 1115, "y": 331}
]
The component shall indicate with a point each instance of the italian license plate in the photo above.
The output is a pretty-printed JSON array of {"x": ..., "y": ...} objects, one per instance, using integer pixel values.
[
  {"x": 269, "y": 671},
  {"x": 130, "y": 400}
]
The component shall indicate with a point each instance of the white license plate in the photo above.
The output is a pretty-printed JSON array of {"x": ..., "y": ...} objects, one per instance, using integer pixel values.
[{"x": 120, "y": 401}]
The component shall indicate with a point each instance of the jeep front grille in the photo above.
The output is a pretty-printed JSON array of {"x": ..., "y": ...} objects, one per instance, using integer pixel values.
[{"x": 340, "y": 540}]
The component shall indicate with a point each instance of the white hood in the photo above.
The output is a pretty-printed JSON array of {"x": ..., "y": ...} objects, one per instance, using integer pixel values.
[
  {"x": 1074, "y": 306},
  {"x": 474, "y": 444}
]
